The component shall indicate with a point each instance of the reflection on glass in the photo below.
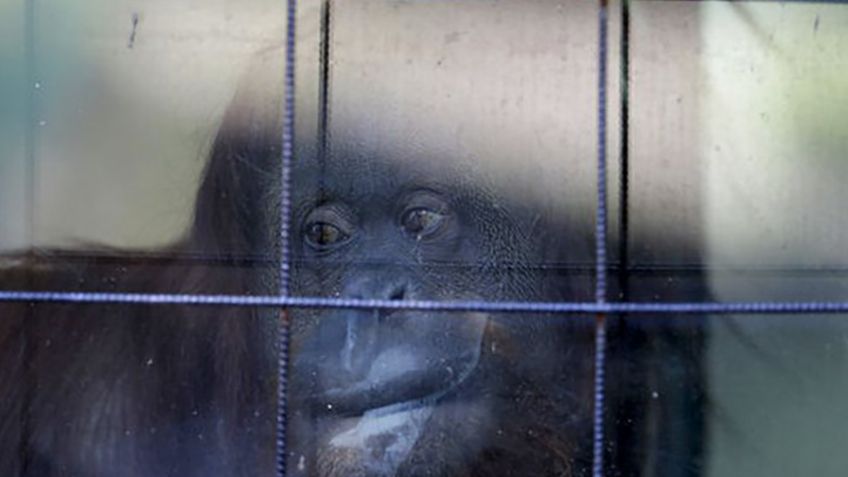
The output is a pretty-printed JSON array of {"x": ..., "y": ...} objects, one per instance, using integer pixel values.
[
  {"x": 444, "y": 152},
  {"x": 737, "y": 125},
  {"x": 735, "y": 121},
  {"x": 779, "y": 394}
]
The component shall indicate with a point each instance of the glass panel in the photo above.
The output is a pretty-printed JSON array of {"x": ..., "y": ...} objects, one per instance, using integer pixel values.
[
  {"x": 136, "y": 390},
  {"x": 192, "y": 391},
  {"x": 116, "y": 155},
  {"x": 115, "y": 110},
  {"x": 736, "y": 165},
  {"x": 13, "y": 93},
  {"x": 778, "y": 393},
  {"x": 658, "y": 397},
  {"x": 443, "y": 151},
  {"x": 736, "y": 157},
  {"x": 498, "y": 100},
  {"x": 444, "y": 176}
]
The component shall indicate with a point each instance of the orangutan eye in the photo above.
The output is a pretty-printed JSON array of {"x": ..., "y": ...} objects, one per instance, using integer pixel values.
[
  {"x": 323, "y": 234},
  {"x": 421, "y": 221}
]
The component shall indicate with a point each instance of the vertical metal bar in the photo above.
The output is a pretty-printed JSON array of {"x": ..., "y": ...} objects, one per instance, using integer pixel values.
[
  {"x": 624, "y": 154},
  {"x": 324, "y": 94},
  {"x": 601, "y": 209},
  {"x": 287, "y": 151},
  {"x": 324, "y": 82},
  {"x": 600, "y": 248},
  {"x": 598, "y": 418},
  {"x": 285, "y": 219}
]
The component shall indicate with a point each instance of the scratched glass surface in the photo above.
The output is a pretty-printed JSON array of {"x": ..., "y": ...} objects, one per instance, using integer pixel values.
[
  {"x": 150, "y": 161},
  {"x": 738, "y": 118},
  {"x": 114, "y": 108},
  {"x": 443, "y": 151},
  {"x": 134, "y": 130}
]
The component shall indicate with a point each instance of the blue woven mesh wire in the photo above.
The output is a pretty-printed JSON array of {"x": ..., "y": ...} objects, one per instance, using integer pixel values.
[{"x": 600, "y": 307}]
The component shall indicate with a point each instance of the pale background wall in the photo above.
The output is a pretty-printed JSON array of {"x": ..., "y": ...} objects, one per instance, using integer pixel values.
[{"x": 120, "y": 133}]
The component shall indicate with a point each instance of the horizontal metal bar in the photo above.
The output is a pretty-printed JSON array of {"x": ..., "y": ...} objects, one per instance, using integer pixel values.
[
  {"x": 62, "y": 258},
  {"x": 424, "y": 305}
]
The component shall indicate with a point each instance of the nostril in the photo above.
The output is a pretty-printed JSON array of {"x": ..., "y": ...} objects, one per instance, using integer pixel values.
[
  {"x": 377, "y": 287},
  {"x": 397, "y": 294}
]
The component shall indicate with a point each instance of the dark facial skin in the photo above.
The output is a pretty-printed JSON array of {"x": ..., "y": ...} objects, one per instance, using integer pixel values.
[{"x": 370, "y": 387}]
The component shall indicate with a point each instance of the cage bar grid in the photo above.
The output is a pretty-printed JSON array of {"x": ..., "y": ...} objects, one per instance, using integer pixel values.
[
  {"x": 600, "y": 307},
  {"x": 599, "y": 392}
]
